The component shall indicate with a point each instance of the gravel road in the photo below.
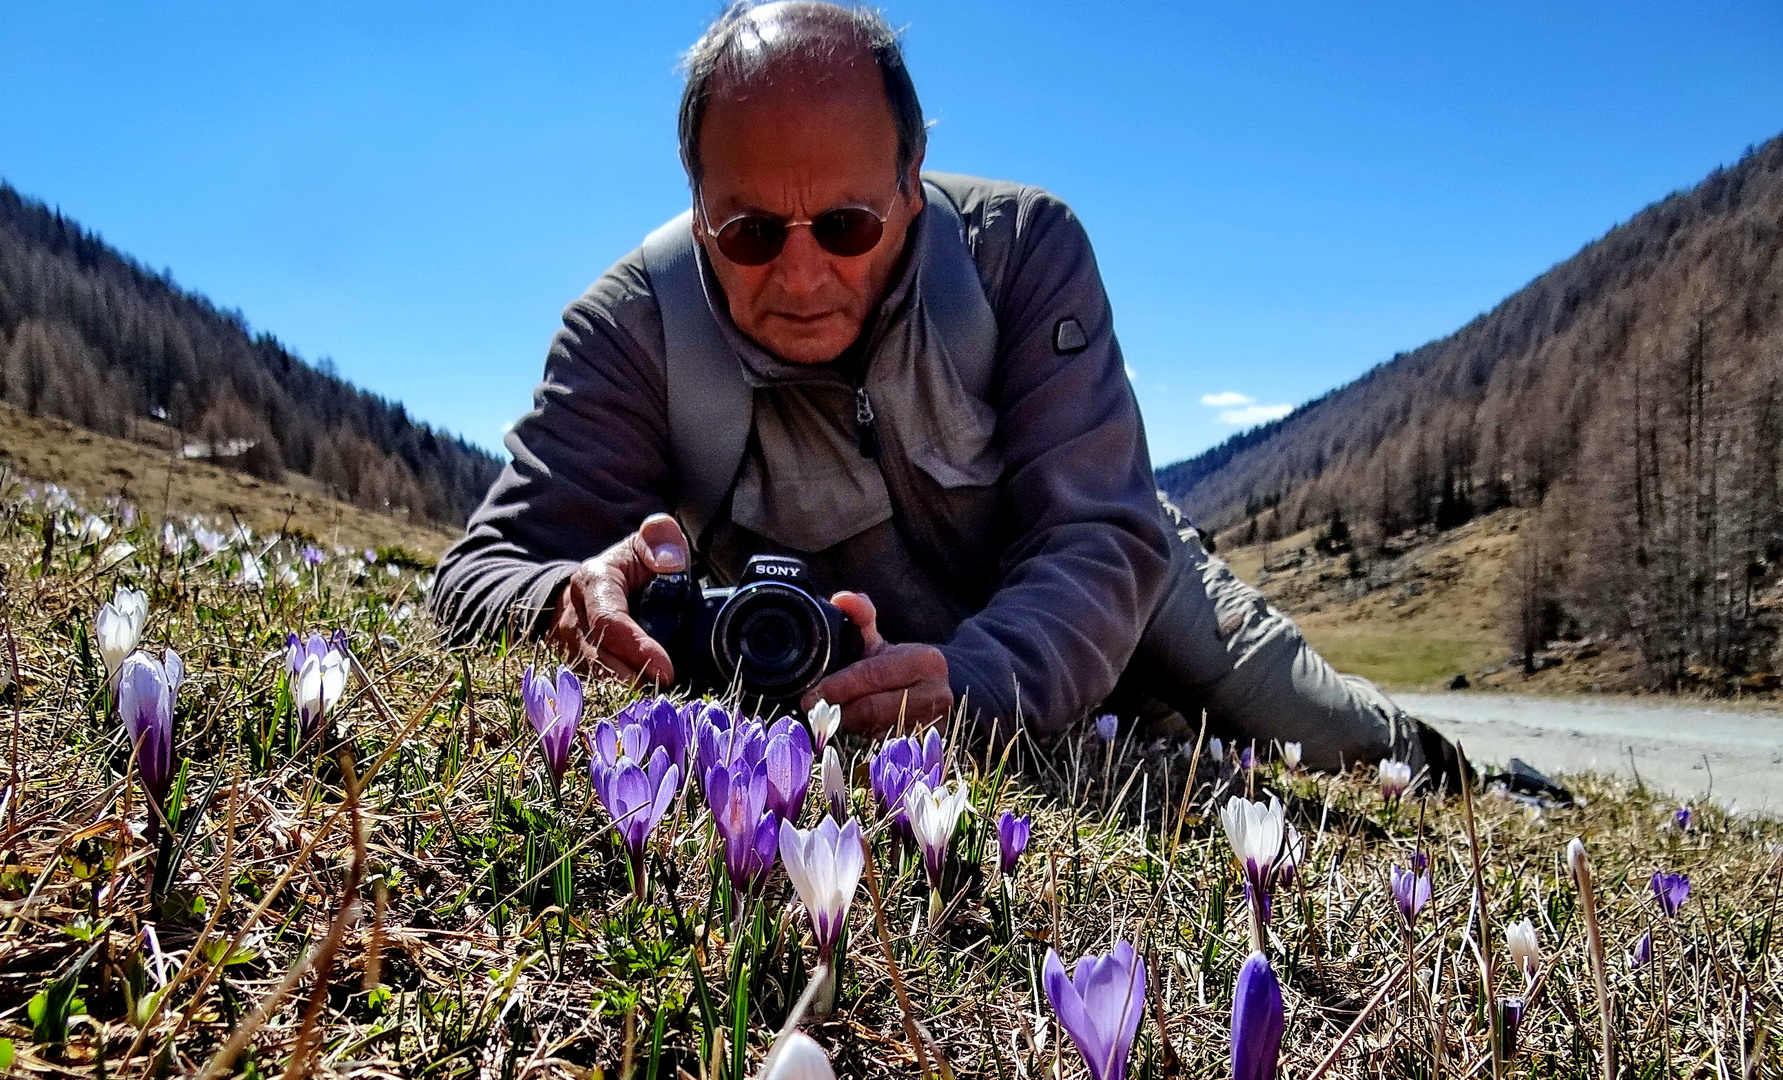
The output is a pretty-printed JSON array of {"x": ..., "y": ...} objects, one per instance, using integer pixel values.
[{"x": 1731, "y": 754}]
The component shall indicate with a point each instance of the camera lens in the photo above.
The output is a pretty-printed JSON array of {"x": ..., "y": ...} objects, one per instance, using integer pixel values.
[{"x": 772, "y": 639}]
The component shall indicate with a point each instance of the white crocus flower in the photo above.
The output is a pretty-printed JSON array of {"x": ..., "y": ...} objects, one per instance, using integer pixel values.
[
  {"x": 252, "y": 575},
  {"x": 824, "y": 719},
  {"x": 1525, "y": 950},
  {"x": 94, "y": 530},
  {"x": 319, "y": 684},
  {"x": 933, "y": 814},
  {"x": 1255, "y": 831},
  {"x": 797, "y": 1057},
  {"x": 118, "y": 625},
  {"x": 1291, "y": 754},
  {"x": 824, "y": 864}
]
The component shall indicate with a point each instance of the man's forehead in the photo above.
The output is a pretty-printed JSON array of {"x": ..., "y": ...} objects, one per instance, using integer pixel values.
[{"x": 823, "y": 127}]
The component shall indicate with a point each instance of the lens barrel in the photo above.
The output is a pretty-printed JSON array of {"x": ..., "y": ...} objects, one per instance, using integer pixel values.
[{"x": 772, "y": 639}]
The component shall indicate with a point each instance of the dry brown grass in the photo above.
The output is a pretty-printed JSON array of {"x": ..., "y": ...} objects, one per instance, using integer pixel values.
[
  {"x": 45, "y": 449},
  {"x": 457, "y": 971}
]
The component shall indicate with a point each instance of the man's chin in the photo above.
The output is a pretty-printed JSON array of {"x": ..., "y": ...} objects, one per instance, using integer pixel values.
[{"x": 815, "y": 342}]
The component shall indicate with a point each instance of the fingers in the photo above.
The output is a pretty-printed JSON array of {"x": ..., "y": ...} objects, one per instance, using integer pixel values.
[
  {"x": 919, "y": 669},
  {"x": 601, "y": 632},
  {"x": 877, "y": 714},
  {"x": 660, "y": 545},
  {"x": 861, "y": 612}
]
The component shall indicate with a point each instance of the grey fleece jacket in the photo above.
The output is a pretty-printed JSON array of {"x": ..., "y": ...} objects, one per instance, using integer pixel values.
[{"x": 1016, "y": 527}]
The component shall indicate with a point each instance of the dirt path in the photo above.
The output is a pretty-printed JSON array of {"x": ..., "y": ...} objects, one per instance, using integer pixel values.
[{"x": 1729, "y": 753}]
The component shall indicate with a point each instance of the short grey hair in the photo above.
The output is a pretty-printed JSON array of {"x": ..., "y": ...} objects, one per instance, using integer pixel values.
[{"x": 735, "y": 49}]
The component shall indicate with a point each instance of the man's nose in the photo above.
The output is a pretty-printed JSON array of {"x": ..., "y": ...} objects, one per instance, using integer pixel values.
[{"x": 803, "y": 267}]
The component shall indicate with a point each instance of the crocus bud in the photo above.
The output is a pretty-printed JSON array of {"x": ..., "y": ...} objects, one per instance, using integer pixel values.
[
  {"x": 118, "y": 626},
  {"x": 1012, "y": 840},
  {"x": 317, "y": 668},
  {"x": 147, "y": 691},
  {"x": 1681, "y": 818},
  {"x": 1642, "y": 953},
  {"x": 1411, "y": 891},
  {"x": 1287, "y": 868},
  {"x": 1258, "y": 1020},
  {"x": 1526, "y": 953},
  {"x": 824, "y": 719},
  {"x": 1396, "y": 777},
  {"x": 1216, "y": 750},
  {"x": 835, "y": 785},
  {"x": 555, "y": 711},
  {"x": 933, "y": 814},
  {"x": 1510, "y": 1018},
  {"x": 1107, "y": 727},
  {"x": 1576, "y": 860},
  {"x": 1291, "y": 754}
]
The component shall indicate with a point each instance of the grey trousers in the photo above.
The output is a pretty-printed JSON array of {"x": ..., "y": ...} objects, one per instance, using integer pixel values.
[{"x": 1216, "y": 643}]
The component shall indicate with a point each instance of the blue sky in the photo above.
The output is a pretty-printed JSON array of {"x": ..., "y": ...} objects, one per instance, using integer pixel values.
[{"x": 1281, "y": 195}]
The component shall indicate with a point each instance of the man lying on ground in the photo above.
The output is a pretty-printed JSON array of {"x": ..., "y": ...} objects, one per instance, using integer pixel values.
[{"x": 910, "y": 381}]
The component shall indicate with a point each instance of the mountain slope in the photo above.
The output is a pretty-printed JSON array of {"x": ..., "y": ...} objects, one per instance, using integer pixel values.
[
  {"x": 89, "y": 335},
  {"x": 1631, "y": 398},
  {"x": 1497, "y": 411}
]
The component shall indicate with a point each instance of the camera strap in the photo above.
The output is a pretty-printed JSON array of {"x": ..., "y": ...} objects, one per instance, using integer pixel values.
[{"x": 710, "y": 406}]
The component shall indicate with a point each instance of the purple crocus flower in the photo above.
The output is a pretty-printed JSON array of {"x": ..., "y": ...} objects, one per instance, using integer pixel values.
[
  {"x": 667, "y": 726},
  {"x": 1107, "y": 727},
  {"x": 1257, "y": 1021},
  {"x": 1510, "y": 1018},
  {"x": 787, "y": 755},
  {"x": 1671, "y": 890},
  {"x": 1247, "y": 758},
  {"x": 1100, "y": 1007},
  {"x": 898, "y": 764},
  {"x": 555, "y": 710},
  {"x": 1681, "y": 818},
  {"x": 312, "y": 556},
  {"x": 636, "y": 799},
  {"x": 738, "y": 796},
  {"x": 721, "y": 737},
  {"x": 1642, "y": 955},
  {"x": 147, "y": 691},
  {"x": 1411, "y": 890},
  {"x": 1012, "y": 840}
]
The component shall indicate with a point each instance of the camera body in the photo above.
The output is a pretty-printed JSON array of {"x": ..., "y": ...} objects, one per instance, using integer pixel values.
[{"x": 769, "y": 636}]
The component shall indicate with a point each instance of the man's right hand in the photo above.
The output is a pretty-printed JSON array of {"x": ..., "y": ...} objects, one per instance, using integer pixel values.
[{"x": 591, "y": 623}]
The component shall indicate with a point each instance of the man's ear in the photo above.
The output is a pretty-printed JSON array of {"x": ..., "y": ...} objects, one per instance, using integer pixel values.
[{"x": 913, "y": 183}]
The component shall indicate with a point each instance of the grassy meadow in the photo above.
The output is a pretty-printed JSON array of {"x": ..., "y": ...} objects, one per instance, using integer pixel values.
[{"x": 406, "y": 892}]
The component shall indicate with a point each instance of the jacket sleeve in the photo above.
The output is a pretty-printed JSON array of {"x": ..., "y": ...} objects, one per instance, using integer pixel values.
[
  {"x": 1090, "y": 556},
  {"x": 589, "y": 462}
]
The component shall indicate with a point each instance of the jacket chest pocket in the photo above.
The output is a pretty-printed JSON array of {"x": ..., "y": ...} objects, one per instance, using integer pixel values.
[
  {"x": 954, "y": 507},
  {"x": 803, "y": 483}
]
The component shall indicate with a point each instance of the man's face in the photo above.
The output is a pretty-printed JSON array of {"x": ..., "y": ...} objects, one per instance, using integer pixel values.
[{"x": 792, "y": 147}]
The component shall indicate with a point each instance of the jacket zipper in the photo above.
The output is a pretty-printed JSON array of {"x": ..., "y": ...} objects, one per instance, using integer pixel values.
[{"x": 864, "y": 430}]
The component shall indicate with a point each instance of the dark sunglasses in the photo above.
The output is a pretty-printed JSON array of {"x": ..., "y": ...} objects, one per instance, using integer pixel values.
[{"x": 757, "y": 239}]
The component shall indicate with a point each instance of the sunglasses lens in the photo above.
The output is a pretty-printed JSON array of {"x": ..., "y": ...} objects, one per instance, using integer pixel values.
[
  {"x": 847, "y": 231},
  {"x": 752, "y": 241}
]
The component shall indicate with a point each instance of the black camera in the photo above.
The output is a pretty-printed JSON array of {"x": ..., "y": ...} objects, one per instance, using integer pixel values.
[{"x": 769, "y": 636}]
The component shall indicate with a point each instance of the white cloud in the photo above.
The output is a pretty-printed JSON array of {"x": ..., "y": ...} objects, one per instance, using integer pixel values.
[
  {"x": 1250, "y": 415},
  {"x": 1226, "y": 399}
]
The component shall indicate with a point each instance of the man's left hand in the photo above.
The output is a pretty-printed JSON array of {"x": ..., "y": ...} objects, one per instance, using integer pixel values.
[{"x": 890, "y": 683}]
